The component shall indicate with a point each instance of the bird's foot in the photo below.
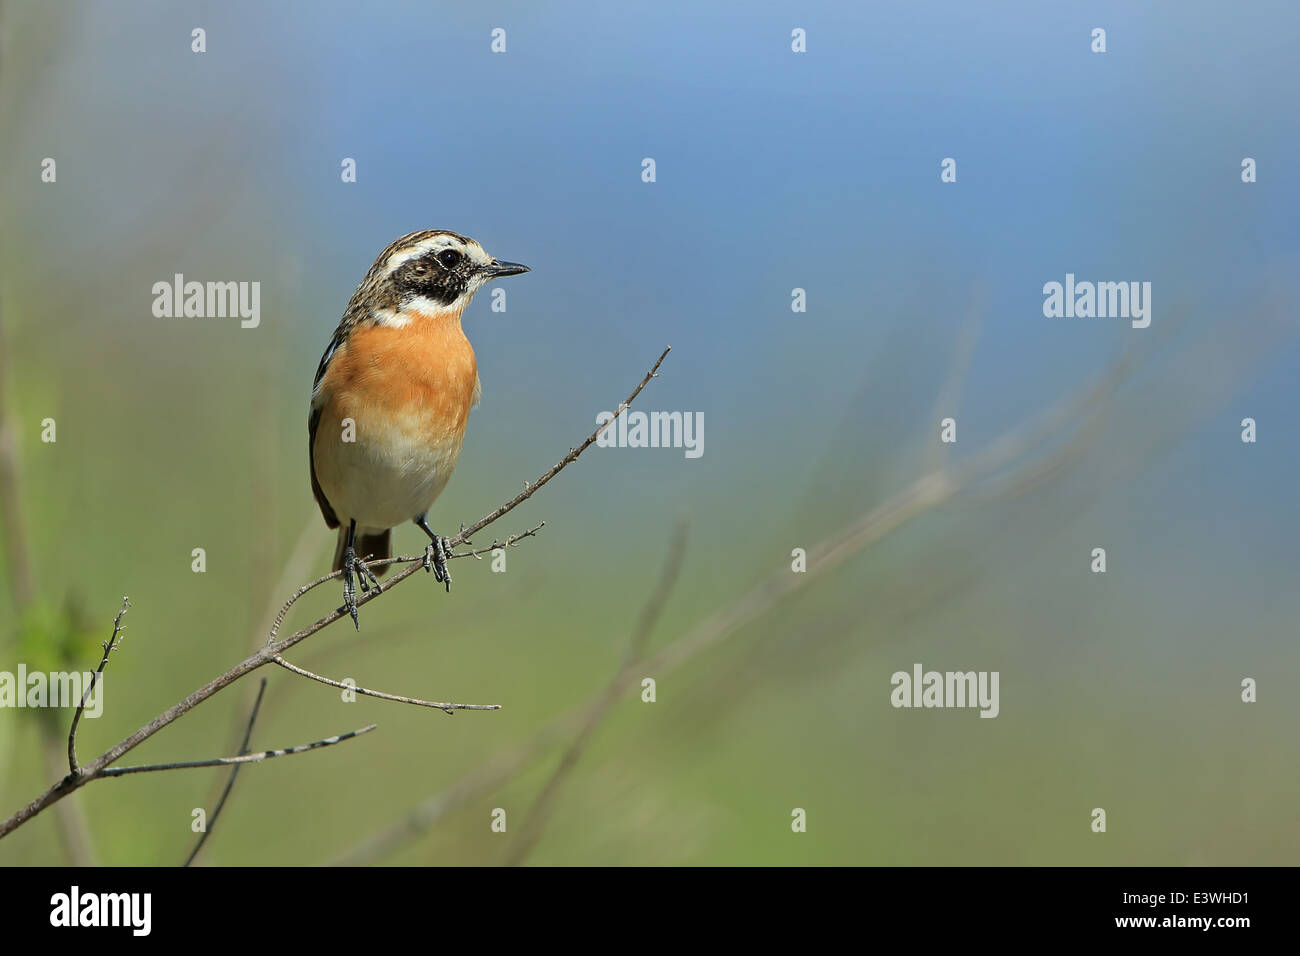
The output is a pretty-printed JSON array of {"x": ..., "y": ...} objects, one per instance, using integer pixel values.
[
  {"x": 350, "y": 587},
  {"x": 352, "y": 564},
  {"x": 435, "y": 559}
]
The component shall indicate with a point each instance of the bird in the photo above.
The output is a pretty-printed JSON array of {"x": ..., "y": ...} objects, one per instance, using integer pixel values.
[{"x": 391, "y": 399}]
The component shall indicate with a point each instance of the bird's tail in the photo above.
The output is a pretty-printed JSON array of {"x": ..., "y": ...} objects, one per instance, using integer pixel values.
[{"x": 369, "y": 547}]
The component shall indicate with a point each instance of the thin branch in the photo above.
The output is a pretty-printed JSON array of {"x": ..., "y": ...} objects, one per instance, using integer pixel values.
[
  {"x": 445, "y": 706},
  {"x": 540, "y": 812},
  {"x": 241, "y": 759},
  {"x": 110, "y": 645},
  {"x": 511, "y": 541},
  {"x": 267, "y": 654},
  {"x": 296, "y": 566},
  {"x": 293, "y": 599},
  {"x": 570, "y": 458},
  {"x": 418, "y": 559},
  {"x": 70, "y": 817},
  {"x": 234, "y": 775}
]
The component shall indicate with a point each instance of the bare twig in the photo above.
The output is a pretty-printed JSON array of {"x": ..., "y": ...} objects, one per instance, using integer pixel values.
[
  {"x": 538, "y": 815},
  {"x": 445, "y": 706},
  {"x": 234, "y": 775},
  {"x": 570, "y": 458},
  {"x": 267, "y": 654},
  {"x": 511, "y": 541},
  {"x": 241, "y": 759},
  {"x": 307, "y": 545},
  {"x": 70, "y": 818},
  {"x": 110, "y": 645}
]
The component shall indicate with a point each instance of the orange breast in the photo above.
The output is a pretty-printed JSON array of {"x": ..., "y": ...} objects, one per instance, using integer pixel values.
[{"x": 420, "y": 377}]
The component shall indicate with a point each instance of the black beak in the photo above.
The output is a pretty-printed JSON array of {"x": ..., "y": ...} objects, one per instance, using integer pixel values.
[{"x": 498, "y": 269}]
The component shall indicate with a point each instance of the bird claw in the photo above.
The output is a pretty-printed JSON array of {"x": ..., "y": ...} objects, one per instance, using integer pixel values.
[
  {"x": 367, "y": 577},
  {"x": 435, "y": 560},
  {"x": 364, "y": 575}
]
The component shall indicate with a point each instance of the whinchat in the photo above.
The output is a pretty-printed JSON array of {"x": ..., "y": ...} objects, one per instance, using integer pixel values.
[{"x": 391, "y": 398}]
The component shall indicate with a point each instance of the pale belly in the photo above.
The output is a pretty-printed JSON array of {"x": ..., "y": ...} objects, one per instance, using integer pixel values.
[{"x": 389, "y": 475}]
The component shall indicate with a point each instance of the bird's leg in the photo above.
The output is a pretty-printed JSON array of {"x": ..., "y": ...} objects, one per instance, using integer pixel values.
[
  {"x": 349, "y": 588},
  {"x": 436, "y": 554},
  {"x": 366, "y": 577}
]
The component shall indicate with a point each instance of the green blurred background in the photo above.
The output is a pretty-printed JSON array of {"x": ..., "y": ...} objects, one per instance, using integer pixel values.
[{"x": 775, "y": 171}]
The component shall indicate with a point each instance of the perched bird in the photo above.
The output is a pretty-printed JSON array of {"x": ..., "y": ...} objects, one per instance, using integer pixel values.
[{"x": 391, "y": 397}]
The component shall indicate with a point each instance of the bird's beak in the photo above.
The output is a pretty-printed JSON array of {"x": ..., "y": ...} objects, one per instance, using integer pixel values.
[{"x": 497, "y": 269}]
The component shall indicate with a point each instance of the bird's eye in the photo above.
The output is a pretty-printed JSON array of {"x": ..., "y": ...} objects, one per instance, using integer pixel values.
[{"x": 449, "y": 258}]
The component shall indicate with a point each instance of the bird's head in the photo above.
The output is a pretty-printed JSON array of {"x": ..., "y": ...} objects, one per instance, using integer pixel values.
[{"x": 429, "y": 272}]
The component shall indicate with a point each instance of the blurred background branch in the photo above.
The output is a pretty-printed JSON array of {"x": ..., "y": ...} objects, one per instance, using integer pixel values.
[
  {"x": 230, "y": 780},
  {"x": 544, "y": 803}
]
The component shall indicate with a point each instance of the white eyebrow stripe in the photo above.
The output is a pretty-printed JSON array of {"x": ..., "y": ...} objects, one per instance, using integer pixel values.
[
  {"x": 469, "y": 247},
  {"x": 421, "y": 248}
]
